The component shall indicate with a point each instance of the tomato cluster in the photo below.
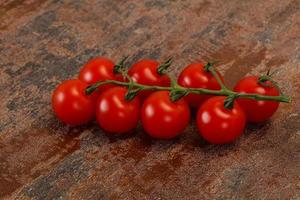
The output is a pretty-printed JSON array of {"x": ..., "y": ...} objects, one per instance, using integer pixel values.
[{"x": 161, "y": 117}]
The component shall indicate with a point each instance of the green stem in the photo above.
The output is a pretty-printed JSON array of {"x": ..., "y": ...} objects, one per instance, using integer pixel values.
[
  {"x": 209, "y": 67},
  {"x": 223, "y": 92}
]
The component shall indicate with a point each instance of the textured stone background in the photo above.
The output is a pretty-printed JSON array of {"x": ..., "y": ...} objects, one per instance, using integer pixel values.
[{"x": 43, "y": 42}]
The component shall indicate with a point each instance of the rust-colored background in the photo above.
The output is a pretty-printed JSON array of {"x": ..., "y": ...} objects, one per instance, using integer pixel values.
[{"x": 43, "y": 42}]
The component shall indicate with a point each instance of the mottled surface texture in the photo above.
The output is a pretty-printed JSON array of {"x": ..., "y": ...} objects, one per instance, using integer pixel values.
[{"x": 43, "y": 42}]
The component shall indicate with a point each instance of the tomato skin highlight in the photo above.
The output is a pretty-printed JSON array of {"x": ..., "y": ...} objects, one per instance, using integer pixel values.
[
  {"x": 219, "y": 125},
  {"x": 114, "y": 113},
  {"x": 257, "y": 111},
  {"x": 195, "y": 76},
  {"x": 71, "y": 105},
  {"x": 99, "y": 69},
  {"x": 162, "y": 118},
  {"x": 145, "y": 72}
]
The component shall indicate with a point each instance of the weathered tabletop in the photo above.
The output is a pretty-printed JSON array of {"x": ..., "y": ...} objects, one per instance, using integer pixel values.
[{"x": 43, "y": 42}]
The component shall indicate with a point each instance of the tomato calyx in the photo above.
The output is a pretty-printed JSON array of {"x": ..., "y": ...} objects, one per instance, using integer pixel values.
[
  {"x": 131, "y": 94},
  {"x": 119, "y": 67},
  {"x": 161, "y": 70},
  {"x": 267, "y": 81},
  {"x": 176, "y": 94},
  {"x": 209, "y": 65},
  {"x": 229, "y": 101}
]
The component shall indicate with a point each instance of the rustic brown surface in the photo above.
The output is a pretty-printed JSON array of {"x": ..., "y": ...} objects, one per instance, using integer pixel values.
[{"x": 43, "y": 42}]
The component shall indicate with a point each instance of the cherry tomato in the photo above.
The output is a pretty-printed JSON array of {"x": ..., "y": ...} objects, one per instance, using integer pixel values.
[
  {"x": 114, "y": 113},
  {"x": 99, "y": 69},
  {"x": 195, "y": 76},
  {"x": 162, "y": 118},
  {"x": 70, "y": 103},
  {"x": 219, "y": 125},
  {"x": 257, "y": 111},
  {"x": 145, "y": 72}
]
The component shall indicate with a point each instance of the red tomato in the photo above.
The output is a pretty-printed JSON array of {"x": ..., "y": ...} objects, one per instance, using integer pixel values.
[
  {"x": 162, "y": 118},
  {"x": 114, "y": 113},
  {"x": 70, "y": 103},
  {"x": 194, "y": 76},
  {"x": 257, "y": 111},
  {"x": 219, "y": 125},
  {"x": 145, "y": 72},
  {"x": 99, "y": 69}
]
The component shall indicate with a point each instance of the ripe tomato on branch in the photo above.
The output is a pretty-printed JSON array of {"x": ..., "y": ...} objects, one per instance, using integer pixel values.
[
  {"x": 162, "y": 118},
  {"x": 220, "y": 125},
  {"x": 99, "y": 69},
  {"x": 70, "y": 103},
  {"x": 195, "y": 76},
  {"x": 257, "y": 111},
  {"x": 114, "y": 113},
  {"x": 165, "y": 112},
  {"x": 147, "y": 72}
]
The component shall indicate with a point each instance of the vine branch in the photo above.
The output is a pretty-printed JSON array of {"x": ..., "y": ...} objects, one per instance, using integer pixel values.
[
  {"x": 177, "y": 91},
  {"x": 221, "y": 92}
]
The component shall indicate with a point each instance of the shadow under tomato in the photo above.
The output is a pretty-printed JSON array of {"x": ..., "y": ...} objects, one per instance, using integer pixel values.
[
  {"x": 114, "y": 137},
  {"x": 257, "y": 128}
]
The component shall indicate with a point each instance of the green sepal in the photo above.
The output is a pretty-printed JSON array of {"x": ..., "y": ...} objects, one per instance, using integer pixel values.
[
  {"x": 161, "y": 70},
  {"x": 131, "y": 94},
  {"x": 120, "y": 65},
  {"x": 268, "y": 77},
  {"x": 177, "y": 94},
  {"x": 209, "y": 65},
  {"x": 229, "y": 101}
]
